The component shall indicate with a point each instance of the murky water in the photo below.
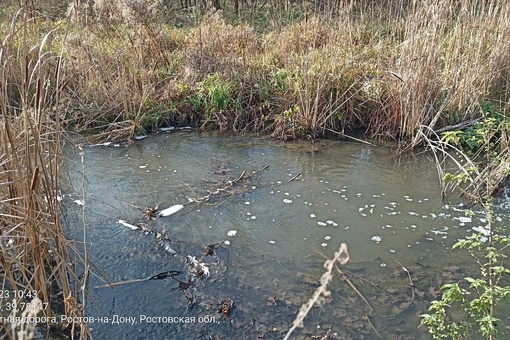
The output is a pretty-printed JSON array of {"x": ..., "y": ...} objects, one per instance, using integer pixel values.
[{"x": 290, "y": 210}]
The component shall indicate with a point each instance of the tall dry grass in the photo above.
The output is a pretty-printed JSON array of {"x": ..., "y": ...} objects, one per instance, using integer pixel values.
[
  {"x": 386, "y": 67},
  {"x": 34, "y": 253},
  {"x": 453, "y": 57}
]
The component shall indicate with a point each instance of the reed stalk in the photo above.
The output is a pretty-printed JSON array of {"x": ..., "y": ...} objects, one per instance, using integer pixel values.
[
  {"x": 386, "y": 67},
  {"x": 35, "y": 255}
]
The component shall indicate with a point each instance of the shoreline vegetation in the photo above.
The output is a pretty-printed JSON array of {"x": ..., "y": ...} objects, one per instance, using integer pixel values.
[{"x": 394, "y": 69}]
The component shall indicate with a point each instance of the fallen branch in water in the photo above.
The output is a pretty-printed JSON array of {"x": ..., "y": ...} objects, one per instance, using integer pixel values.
[
  {"x": 295, "y": 177},
  {"x": 227, "y": 188},
  {"x": 344, "y": 278},
  {"x": 411, "y": 283},
  {"x": 460, "y": 126},
  {"x": 350, "y": 137},
  {"x": 159, "y": 276},
  {"x": 373, "y": 328}
]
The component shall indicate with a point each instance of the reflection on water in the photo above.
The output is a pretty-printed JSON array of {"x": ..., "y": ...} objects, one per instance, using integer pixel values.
[{"x": 283, "y": 222}]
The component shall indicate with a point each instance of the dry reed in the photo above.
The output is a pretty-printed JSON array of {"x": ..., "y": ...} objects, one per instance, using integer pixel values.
[
  {"x": 34, "y": 253},
  {"x": 388, "y": 68}
]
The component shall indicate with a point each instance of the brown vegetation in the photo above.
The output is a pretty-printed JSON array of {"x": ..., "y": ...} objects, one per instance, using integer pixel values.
[
  {"x": 38, "y": 264},
  {"x": 386, "y": 67},
  {"x": 286, "y": 69}
]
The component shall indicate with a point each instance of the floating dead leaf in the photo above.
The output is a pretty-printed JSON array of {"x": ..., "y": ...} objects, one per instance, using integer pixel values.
[
  {"x": 151, "y": 212},
  {"x": 272, "y": 300},
  {"x": 419, "y": 293},
  {"x": 433, "y": 292},
  {"x": 226, "y": 307},
  {"x": 404, "y": 305}
]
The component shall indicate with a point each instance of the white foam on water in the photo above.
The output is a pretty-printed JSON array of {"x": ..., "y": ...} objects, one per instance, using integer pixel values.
[
  {"x": 463, "y": 219},
  {"x": 376, "y": 238}
]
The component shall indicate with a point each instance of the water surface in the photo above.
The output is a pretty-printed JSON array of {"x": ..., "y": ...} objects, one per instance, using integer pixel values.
[{"x": 289, "y": 206}]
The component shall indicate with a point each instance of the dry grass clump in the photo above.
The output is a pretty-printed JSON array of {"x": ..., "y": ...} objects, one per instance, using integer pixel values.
[
  {"x": 112, "y": 12},
  {"x": 217, "y": 46},
  {"x": 452, "y": 58},
  {"x": 388, "y": 67},
  {"x": 34, "y": 253}
]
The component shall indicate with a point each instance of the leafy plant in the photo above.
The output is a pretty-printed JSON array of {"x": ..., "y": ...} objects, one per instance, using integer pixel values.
[
  {"x": 483, "y": 295},
  {"x": 474, "y": 139},
  {"x": 478, "y": 302},
  {"x": 215, "y": 93}
]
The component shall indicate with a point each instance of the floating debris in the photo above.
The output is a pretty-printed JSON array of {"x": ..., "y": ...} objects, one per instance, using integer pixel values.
[
  {"x": 226, "y": 307},
  {"x": 210, "y": 248},
  {"x": 482, "y": 230},
  {"x": 170, "y": 211},
  {"x": 165, "y": 244},
  {"x": 437, "y": 232},
  {"x": 376, "y": 239},
  {"x": 102, "y": 144},
  {"x": 159, "y": 276},
  {"x": 272, "y": 300},
  {"x": 164, "y": 275},
  {"x": 140, "y": 137},
  {"x": 232, "y": 233},
  {"x": 140, "y": 226},
  {"x": 151, "y": 212},
  {"x": 287, "y": 201},
  {"x": 313, "y": 216},
  {"x": 198, "y": 269},
  {"x": 322, "y": 224},
  {"x": 463, "y": 219},
  {"x": 126, "y": 224},
  {"x": 79, "y": 202},
  {"x": 272, "y": 242},
  {"x": 167, "y": 129}
]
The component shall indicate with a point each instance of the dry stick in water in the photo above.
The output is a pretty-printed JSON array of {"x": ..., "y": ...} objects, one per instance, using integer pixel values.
[
  {"x": 341, "y": 256},
  {"x": 362, "y": 297}
]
